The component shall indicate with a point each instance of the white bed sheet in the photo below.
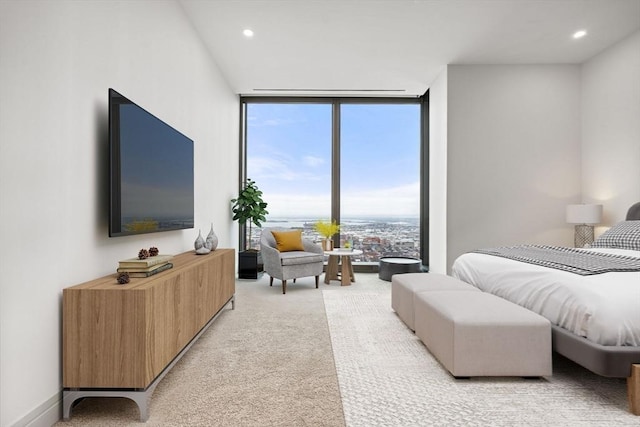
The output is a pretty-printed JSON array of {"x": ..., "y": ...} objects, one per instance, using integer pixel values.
[{"x": 604, "y": 308}]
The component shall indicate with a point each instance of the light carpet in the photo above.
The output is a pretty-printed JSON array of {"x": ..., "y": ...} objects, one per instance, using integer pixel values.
[
  {"x": 388, "y": 378},
  {"x": 270, "y": 362},
  {"x": 267, "y": 363}
]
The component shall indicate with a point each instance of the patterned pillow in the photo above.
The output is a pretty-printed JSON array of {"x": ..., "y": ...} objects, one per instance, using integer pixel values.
[{"x": 623, "y": 235}]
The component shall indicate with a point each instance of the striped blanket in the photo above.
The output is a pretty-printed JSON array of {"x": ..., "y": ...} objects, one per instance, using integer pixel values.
[{"x": 576, "y": 261}]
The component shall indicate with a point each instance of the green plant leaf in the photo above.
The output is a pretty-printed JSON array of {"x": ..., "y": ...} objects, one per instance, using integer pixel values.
[{"x": 249, "y": 207}]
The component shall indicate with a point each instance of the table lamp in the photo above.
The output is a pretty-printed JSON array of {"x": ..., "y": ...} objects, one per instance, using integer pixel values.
[{"x": 584, "y": 216}]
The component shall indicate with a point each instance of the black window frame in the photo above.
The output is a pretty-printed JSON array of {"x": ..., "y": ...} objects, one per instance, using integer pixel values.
[{"x": 335, "y": 103}]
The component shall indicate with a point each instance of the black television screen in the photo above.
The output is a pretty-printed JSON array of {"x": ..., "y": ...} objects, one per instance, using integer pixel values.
[{"x": 151, "y": 172}]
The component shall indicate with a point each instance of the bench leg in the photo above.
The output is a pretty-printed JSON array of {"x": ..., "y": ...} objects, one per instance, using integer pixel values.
[{"x": 633, "y": 389}]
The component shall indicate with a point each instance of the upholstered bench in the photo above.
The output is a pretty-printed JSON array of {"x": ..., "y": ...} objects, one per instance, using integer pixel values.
[
  {"x": 405, "y": 286},
  {"x": 479, "y": 334}
]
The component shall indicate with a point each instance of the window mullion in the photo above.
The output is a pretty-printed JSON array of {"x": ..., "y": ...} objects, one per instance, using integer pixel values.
[{"x": 335, "y": 167}]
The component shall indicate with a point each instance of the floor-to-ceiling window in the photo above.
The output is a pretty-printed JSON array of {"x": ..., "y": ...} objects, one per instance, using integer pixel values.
[
  {"x": 355, "y": 161},
  {"x": 380, "y": 179},
  {"x": 288, "y": 154}
]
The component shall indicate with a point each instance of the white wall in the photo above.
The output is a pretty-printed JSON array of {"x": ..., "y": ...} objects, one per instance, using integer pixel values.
[
  {"x": 524, "y": 141},
  {"x": 57, "y": 60},
  {"x": 438, "y": 174},
  {"x": 513, "y": 155},
  {"x": 611, "y": 129}
]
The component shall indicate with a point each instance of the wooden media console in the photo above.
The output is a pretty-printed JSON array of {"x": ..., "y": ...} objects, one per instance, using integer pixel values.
[{"x": 120, "y": 340}]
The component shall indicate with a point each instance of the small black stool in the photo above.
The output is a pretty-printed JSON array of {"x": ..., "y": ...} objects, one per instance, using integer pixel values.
[{"x": 397, "y": 265}]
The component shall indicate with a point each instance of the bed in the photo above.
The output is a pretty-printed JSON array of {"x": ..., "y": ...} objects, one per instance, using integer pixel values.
[{"x": 595, "y": 314}]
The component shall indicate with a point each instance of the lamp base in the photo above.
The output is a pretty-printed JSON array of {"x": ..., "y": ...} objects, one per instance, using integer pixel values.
[{"x": 583, "y": 235}]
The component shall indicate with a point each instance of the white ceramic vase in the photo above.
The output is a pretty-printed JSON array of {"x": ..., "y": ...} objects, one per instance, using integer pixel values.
[
  {"x": 199, "y": 243},
  {"x": 212, "y": 240}
]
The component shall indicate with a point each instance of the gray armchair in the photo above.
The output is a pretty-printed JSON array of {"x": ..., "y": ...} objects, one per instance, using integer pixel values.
[{"x": 290, "y": 265}]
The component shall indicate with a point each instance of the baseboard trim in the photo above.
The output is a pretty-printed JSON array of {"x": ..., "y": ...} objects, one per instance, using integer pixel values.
[{"x": 45, "y": 415}]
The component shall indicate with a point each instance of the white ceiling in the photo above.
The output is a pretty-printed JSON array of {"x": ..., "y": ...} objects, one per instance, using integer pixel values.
[{"x": 395, "y": 47}]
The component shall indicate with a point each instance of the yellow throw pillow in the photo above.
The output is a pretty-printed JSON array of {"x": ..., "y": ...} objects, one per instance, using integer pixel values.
[{"x": 287, "y": 241}]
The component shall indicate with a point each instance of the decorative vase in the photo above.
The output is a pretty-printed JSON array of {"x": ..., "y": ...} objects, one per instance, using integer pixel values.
[
  {"x": 199, "y": 243},
  {"x": 327, "y": 244},
  {"x": 212, "y": 240}
]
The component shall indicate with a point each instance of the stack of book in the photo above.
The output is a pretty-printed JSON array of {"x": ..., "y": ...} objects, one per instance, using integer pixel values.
[{"x": 145, "y": 267}]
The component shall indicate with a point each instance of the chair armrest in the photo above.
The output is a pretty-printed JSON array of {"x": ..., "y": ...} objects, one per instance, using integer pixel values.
[
  {"x": 309, "y": 246},
  {"x": 270, "y": 258}
]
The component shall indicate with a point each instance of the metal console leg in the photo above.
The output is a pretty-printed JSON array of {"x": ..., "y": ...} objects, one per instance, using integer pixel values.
[{"x": 141, "y": 398}]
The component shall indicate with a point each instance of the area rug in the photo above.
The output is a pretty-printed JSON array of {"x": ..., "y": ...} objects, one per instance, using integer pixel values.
[
  {"x": 388, "y": 378},
  {"x": 269, "y": 362}
]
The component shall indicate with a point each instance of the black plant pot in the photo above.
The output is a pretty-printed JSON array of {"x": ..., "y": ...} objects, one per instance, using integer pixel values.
[{"x": 250, "y": 264}]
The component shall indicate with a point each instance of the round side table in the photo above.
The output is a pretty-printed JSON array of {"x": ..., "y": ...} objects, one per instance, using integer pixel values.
[{"x": 340, "y": 267}]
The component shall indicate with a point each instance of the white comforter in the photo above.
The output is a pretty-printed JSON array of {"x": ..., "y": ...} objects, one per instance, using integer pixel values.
[{"x": 604, "y": 308}]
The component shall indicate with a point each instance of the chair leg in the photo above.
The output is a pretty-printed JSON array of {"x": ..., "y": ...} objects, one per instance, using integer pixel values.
[
  {"x": 284, "y": 286},
  {"x": 317, "y": 280},
  {"x": 270, "y": 281}
]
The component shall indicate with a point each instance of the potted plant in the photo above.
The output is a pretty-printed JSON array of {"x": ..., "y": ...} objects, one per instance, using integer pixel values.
[
  {"x": 249, "y": 208},
  {"x": 327, "y": 230}
]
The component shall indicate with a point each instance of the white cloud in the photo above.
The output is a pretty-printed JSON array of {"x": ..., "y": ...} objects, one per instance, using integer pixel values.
[
  {"x": 391, "y": 201},
  {"x": 313, "y": 161},
  {"x": 284, "y": 205},
  {"x": 283, "y": 167},
  {"x": 261, "y": 166},
  {"x": 400, "y": 201}
]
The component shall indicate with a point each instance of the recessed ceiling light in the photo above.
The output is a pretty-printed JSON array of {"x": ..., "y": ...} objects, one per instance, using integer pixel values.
[
  {"x": 248, "y": 33},
  {"x": 579, "y": 34}
]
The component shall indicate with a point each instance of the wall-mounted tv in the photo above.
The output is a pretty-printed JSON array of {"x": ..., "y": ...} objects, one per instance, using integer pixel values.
[{"x": 151, "y": 172}]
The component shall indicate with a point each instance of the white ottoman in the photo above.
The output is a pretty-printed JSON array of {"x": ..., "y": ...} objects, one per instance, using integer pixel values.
[
  {"x": 479, "y": 334},
  {"x": 405, "y": 286}
]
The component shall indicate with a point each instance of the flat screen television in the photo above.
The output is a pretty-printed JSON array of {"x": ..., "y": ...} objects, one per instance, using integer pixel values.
[{"x": 151, "y": 172}]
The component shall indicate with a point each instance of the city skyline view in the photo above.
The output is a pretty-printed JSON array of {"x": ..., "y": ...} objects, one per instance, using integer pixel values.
[{"x": 376, "y": 238}]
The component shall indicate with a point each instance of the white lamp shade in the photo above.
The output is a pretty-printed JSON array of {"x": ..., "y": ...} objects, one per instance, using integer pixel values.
[{"x": 584, "y": 214}]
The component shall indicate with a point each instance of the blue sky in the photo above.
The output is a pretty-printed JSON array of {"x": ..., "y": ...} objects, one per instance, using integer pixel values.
[{"x": 289, "y": 157}]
